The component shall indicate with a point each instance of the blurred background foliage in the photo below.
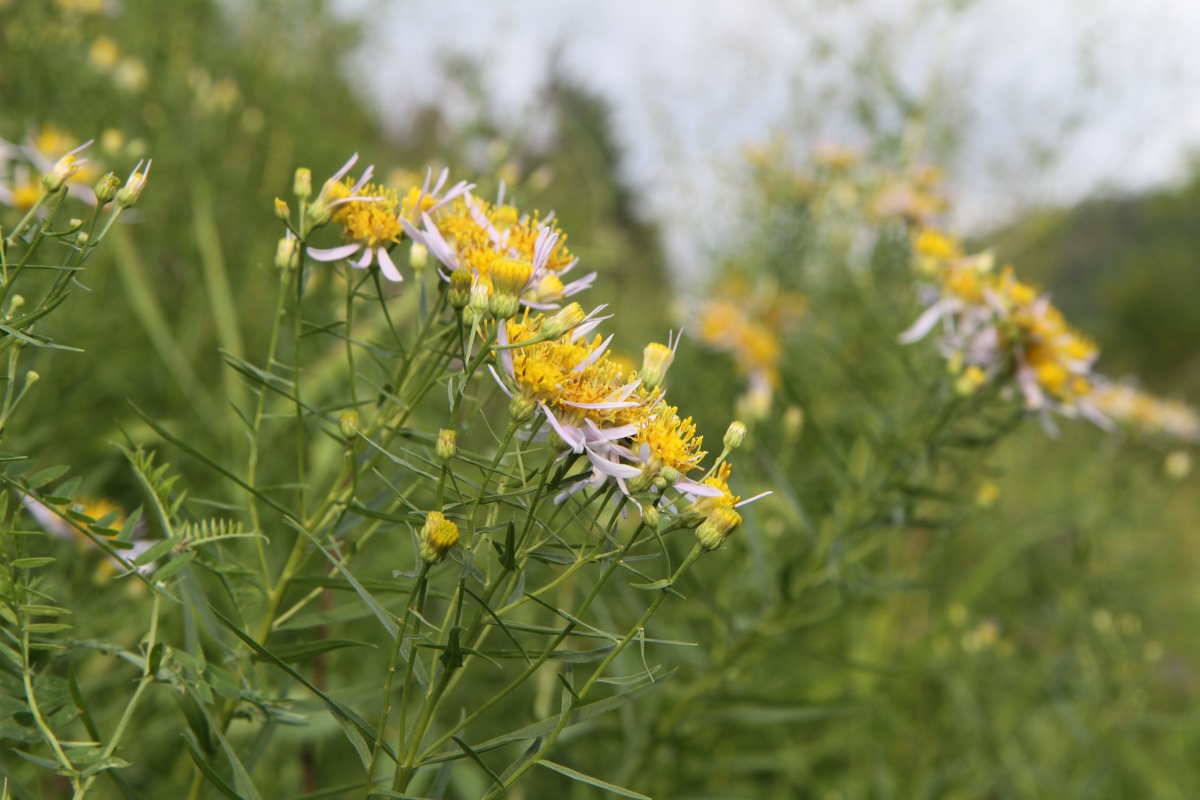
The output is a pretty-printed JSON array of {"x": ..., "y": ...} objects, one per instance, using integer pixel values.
[{"x": 1041, "y": 645}]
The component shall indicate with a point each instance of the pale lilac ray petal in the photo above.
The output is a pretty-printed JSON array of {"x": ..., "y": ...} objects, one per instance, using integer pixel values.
[
  {"x": 334, "y": 253},
  {"x": 388, "y": 267}
]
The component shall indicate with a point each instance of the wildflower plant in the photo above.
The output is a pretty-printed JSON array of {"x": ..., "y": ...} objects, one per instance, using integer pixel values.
[
  {"x": 466, "y": 465},
  {"x": 44, "y": 256}
]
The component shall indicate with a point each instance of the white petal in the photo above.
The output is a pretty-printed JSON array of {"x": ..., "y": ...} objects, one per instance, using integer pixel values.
[
  {"x": 334, "y": 253},
  {"x": 573, "y": 438},
  {"x": 364, "y": 260},
  {"x": 614, "y": 469},
  {"x": 688, "y": 486},
  {"x": 497, "y": 377},
  {"x": 924, "y": 324},
  {"x": 388, "y": 267},
  {"x": 752, "y": 499}
]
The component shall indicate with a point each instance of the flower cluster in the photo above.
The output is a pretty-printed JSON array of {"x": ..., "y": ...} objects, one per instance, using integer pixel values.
[
  {"x": 748, "y": 321},
  {"x": 995, "y": 326},
  {"x": 1145, "y": 413},
  {"x": 506, "y": 258},
  {"x": 621, "y": 423},
  {"x": 51, "y": 159},
  {"x": 505, "y": 272}
]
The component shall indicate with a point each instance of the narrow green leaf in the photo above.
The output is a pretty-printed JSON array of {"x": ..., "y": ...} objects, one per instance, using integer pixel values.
[
  {"x": 301, "y": 651},
  {"x": 588, "y": 779},
  {"x": 338, "y": 709},
  {"x": 386, "y": 619},
  {"x": 475, "y": 757},
  {"x": 31, "y": 562},
  {"x": 213, "y": 778},
  {"x": 48, "y": 475},
  {"x": 158, "y": 550},
  {"x": 581, "y": 714},
  {"x": 499, "y": 622},
  {"x": 173, "y": 566}
]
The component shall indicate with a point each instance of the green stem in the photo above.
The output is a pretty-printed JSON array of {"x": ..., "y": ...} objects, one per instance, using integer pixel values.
[
  {"x": 417, "y": 592},
  {"x": 146, "y": 680},
  {"x": 300, "y": 443},
  {"x": 256, "y": 432},
  {"x": 577, "y": 700}
]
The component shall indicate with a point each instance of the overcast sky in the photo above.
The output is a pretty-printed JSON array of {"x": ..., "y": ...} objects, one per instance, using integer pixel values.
[{"x": 1050, "y": 100}]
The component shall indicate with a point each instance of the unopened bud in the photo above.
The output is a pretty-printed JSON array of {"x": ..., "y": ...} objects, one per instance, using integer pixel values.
[
  {"x": 302, "y": 184},
  {"x": 17, "y": 302},
  {"x": 437, "y": 536},
  {"x": 348, "y": 423},
  {"x": 31, "y": 377},
  {"x": 282, "y": 211},
  {"x": 418, "y": 256},
  {"x": 671, "y": 475},
  {"x": 477, "y": 306},
  {"x": 656, "y": 360},
  {"x": 319, "y": 213},
  {"x": 460, "y": 289},
  {"x": 447, "y": 444},
  {"x": 509, "y": 277},
  {"x": 717, "y": 526},
  {"x": 132, "y": 190},
  {"x": 734, "y": 435},
  {"x": 285, "y": 254},
  {"x": 82, "y": 238},
  {"x": 107, "y": 187},
  {"x": 521, "y": 408},
  {"x": 650, "y": 517},
  {"x": 563, "y": 321}
]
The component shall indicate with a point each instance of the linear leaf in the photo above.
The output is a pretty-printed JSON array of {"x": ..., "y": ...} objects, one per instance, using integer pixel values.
[
  {"x": 588, "y": 779},
  {"x": 337, "y": 708}
]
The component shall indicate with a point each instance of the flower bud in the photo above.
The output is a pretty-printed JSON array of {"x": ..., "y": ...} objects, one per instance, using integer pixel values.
[
  {"x": 106, "y": 188},
  {"x": 16, "y": 303},
  {"x": 418, "y": 256},
  {"x": 477, "y": 306},
  {"x": 31, "y": 378},
  {"x": 734, "y": 435},
  {"x": 521, "y": 408},
  {"x": 82, "y": 238},
  {"x": 286, "y": 257},
  {"x": 319, "y": 213},
  {"x": 671, "y": 475},
  {"x": 460, "y": 289},
  {"x": 563, "y": 321},
  {"x": 132, "y": 190},
  {"x": 447, "y": 444},
  {"x": 282, "y": 212},
  {"x": 720, "y": 522},
  {"x": 348, "y": 422},
  {"x": 656, "y": 360},
  {"x": 650, "y": 517},
  {"x": 509, "y": 277},
  {"x": 302, "y": 183},
  {"x": 437, "y": 536}
]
